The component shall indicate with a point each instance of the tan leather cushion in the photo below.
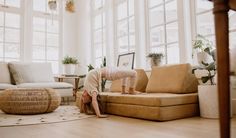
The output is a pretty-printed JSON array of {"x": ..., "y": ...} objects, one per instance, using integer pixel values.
[
  {"x": 172, "y": 79},
  {"x": 152, "y": 99},
  {"x": 140, "y": 84}
]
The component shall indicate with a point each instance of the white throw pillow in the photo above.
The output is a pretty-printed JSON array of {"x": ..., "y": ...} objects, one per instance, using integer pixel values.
[
  {"x": 4, "y": 73},
  {"x": 31, "y": 72}
]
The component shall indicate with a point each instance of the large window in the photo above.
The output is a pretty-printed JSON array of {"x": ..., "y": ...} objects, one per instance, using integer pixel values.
[
  {"x": 204, "y": 19},
  {"x": 10, "y": 30},
  {"x": 98, "y": 31},
  {"x": 163, "y": 29},
  {"x": 125, "y": 26},
  {"x": 45, "y": 44}
]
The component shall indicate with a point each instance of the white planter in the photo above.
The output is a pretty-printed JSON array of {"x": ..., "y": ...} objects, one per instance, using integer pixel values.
[
  {"x": 69, "y": 69},
  {"x": 204, "y": 57},
  {"x": 208, "y": 101}
]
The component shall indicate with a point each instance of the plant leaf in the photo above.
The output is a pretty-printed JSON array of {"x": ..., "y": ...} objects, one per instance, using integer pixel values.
[{"x": 205, "y": 79}]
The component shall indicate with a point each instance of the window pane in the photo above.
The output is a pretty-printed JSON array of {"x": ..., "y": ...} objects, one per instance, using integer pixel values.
[
  {"x": 2, "y": 2},
  {"x": 122, "y": 28},
  {"x": 173, "y": 54},
  {"x": 131, "y": 7},
  {"x": 13, "y": 3},
  {"x": 55, "y": 67},
  {"x": 232, "y": 20},
  {"x": 12, "y": 35},
  {"x": 39, "y": 24},
  {"x": 52, "y": 53},
  {"x": 12, "y": 51},
  {"x": 172, "y": 32},
  {"x": 157, "y": 36},
  {"x": 12, "y": 20},
  {"x": 38, "y": 52},
  {"x": 98, "y": 22},
  {"x": 1, "y": 19},
  {"x": 97, "y": 4},
  {"x": 1, "y": 50},
  {"x": 123, "y": 44},
  {"x": 171, "y": 11},
  {"x": 154, "y": 2},
  {"x": 98, "y": 36},
  {"x": 98, "y": 50},
  {"x": 132, "y": 42},
  {"x": 131, "y": 26},
  {"x": 98, "y": 62},
  {"x": 52, "y": 40},
  {"x": 205, "y": 24},
  {"x": 38, "y": 38},
  {"x": 1, "y": 34},
  {"x": 232, "y": 39},
  {"x": 39, "y": 5},
  {"x": 203, "y": 5},
  {"x": 156, "y": 16},
  {"x": 122, "y": 10}
]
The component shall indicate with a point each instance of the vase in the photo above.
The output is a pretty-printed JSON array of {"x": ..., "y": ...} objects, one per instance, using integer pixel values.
[
  {"x": 69, "y": 69},
  {"x": 155, "y": 62}
]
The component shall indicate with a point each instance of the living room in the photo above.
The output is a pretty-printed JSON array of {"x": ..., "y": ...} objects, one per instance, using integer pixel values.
[{"x": 47, "y": 48}]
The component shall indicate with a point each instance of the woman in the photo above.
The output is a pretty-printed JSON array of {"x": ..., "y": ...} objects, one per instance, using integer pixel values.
[{"x": 92, "y": 87}]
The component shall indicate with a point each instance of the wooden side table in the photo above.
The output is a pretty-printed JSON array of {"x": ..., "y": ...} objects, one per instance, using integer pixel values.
[{"x": 76, "y": 79}]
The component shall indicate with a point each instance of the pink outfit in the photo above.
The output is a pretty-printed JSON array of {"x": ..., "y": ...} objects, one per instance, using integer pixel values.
[
  {"x": 93, "y": 79},
  {"x": 111, "y": 73}
]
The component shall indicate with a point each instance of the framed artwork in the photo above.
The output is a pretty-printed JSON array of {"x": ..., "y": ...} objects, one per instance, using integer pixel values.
[{"x": 126, "y": 61}]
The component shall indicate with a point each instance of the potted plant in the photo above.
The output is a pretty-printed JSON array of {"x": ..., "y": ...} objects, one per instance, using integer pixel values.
[
  {"x": 202, "y": 46},
  {"x": 70, "y": 6},
  {"x": 155, "y": 58},
  {"x": 69, "y": 65}
]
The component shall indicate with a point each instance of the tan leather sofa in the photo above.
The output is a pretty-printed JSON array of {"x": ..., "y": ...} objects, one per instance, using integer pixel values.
[{"x": 170, "y": 93}]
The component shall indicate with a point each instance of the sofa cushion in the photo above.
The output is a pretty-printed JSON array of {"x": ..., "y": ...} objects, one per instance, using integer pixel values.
[
  {"x": 54, "y": 85},
  {"x": 4, "y": 86},
  {"x": 31, "y": 72},
  {"x": 5, "y": 74},
  {"x": 172, "y": 79},
  {"x": 152, "y": 99},
  {"x": 140, "y": 83}
]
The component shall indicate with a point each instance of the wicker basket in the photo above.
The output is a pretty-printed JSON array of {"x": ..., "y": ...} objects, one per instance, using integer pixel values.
[{"x": 29, "y": 101}]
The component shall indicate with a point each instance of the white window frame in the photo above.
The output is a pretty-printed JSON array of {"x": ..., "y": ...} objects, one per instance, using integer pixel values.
[
  {"x": 116, "y": 21},
  {"x": 96, "y": 12},
  {"x": 19, "y": 11},
  {"x": 164, "y": 24},
  {"x": 48, "y": 16}
]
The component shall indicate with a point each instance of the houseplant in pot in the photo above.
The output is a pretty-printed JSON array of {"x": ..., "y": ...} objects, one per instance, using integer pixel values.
[
  {"x": 155, "y": 58},
  {"x": 202, "y": 47},
  {"x": 69, "y": 64}
]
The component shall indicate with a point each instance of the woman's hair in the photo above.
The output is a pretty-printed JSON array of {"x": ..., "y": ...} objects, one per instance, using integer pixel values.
[{"x": 87, "y": 107}]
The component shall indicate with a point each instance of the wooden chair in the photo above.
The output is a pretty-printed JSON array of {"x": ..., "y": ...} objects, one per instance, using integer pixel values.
[{"x": 221, "y": 9}]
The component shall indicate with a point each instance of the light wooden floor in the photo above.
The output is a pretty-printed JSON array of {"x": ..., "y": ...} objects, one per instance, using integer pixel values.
[{"x": 120, "y": 127}]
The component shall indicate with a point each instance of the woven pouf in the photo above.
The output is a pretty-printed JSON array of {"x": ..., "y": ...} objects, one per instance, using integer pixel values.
[{"x": 29, "y": 101}]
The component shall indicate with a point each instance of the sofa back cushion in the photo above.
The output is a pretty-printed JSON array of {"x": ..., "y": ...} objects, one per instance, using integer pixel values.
[
  {"x": 140, "y": 83},
  {"x": 31, "y": 72},
  {"x": 5, "y": 74},
  {"x": 172, "y": 79}
]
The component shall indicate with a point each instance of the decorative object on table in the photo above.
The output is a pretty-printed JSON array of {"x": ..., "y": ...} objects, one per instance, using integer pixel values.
[
  {"x": 69, "y": 65},
  {"x": 29, "y": 101},
  {"x": 61, "y": 114},
  {"x": 70, "y": 6},
  {"x": 202, "y": 46},
  {"x": 155, "y": 58},
  {"x": 126, "y": 61}
]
